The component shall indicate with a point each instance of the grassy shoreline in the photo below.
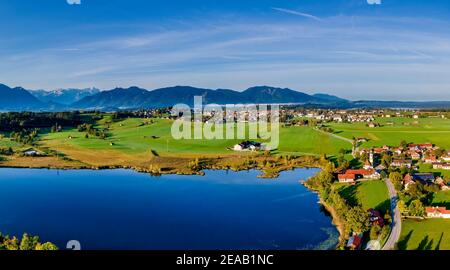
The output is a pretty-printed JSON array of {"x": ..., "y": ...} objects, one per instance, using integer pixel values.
[
  {"x": 335, "y": 219},
  {"x": 270, "y": 166}
]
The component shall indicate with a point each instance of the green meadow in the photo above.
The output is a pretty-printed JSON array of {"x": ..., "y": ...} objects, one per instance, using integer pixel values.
[
  {"x": 395, "y": 130},
  {"x": 370, "y": 194},
  {"x": 133, "y": 136},
  {"x": 442, "y": 198},
  {"x": 429, "y": 234},
  {"x": 7, "y": 142}
]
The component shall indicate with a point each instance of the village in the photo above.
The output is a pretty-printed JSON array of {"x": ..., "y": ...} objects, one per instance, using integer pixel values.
[{"x": 401, "y": 165}]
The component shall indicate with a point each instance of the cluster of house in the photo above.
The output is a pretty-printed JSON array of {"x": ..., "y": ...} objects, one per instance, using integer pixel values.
[
  {"x": 425, "y": 179},
  {"x": 356, "y": 116},
  {"x": 339, "y": 116},
  {"x": 410, "y": 153},
  {"x": 413, "y": 152}
]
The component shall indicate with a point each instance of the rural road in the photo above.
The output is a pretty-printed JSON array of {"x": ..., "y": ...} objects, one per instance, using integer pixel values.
[
  {"x": 396, "y": 226},
  {"x": 335, "y": 136}
]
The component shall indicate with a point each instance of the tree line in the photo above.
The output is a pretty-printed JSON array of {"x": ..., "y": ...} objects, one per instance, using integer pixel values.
[{"x": 27, "y": 242}]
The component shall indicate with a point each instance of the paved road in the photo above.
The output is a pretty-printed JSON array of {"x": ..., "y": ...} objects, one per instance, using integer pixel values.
[
  {"x": 396, "y": 227},
  {"x": 335, "y": 136}
]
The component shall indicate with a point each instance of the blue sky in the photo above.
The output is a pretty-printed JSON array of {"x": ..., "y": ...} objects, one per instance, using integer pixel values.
[{"x": 396, "y": 50}]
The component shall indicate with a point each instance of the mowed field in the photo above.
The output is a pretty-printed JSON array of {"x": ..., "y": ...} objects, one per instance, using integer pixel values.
[
  {"x": 370, "y": 194},
  {"x": 442, "y": 198},
  {"x": 429, "y": 234},
  {"x": 134, "y": 137},
  {"x": 394, "y": 130}
]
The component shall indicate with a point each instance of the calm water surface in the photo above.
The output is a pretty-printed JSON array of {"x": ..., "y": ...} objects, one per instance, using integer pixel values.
[{"x": 123, "y": 209}]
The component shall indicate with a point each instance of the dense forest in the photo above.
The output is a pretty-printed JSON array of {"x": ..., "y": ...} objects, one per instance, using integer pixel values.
[{"x": 17, "y": 122}]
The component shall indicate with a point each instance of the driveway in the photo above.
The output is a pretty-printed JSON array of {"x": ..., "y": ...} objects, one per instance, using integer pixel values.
[{"x": 396, "y": 226}]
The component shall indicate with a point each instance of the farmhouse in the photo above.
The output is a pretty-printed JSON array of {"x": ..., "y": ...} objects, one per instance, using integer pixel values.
[
  {"x": 441, "y": 166},
  {"x": 31, "y": 153},
  {"x": 430, "y": 159},
  {"x": 415, "y": 155},
  {"x": 365, "y": 174},
  {"x": 420, "y": 147},
  {"x": 437, "y": 212},
  {"x": 247, "y": 145},
  {"x": 401, "y": 163},
  {"x": 346, "y": 178}
]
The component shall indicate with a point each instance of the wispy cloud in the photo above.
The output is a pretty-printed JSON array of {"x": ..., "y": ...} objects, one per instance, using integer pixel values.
[
  {"x": 297, "y": 13},
  {"x": 74, "y": 2},
  {"x": 379, "y": 57}
]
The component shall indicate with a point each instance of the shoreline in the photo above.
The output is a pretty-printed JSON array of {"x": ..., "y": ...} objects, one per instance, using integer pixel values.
[
  {"x": 270, "y": 167},
  {"x": 336, "y": 221}
]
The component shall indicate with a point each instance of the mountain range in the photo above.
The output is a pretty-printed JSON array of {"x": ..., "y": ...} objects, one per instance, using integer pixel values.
[
  {"x": 64, "y": 96},
  {"x": 135, "y": 97},
  {"x": 20, "y": 99}
]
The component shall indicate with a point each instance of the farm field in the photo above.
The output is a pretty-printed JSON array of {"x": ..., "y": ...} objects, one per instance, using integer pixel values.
[
  {"x": 394, "y": 130},
  {"x": 370, "y": 194},
  {"x": 429, "y": 234},
  {"x": 131, "y": 137}
]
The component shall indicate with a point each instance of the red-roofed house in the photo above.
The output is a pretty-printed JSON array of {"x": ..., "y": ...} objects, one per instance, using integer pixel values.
[
  {"x": 379, "y": 150},
  {"x": 346, "y": 178},
  {"x": 414, "y": 155},
  {"x": 366, "y": 174},
  {"x": 437, "y": 212},
  {"x": 422, "y": 146},
  {"x": 430, "y": 159},
  {"x": 401, "y": 163},
  {"x": 408, "y": 180},
  {"x": 355, "y": 241},
  {"x": 441, "y": 166}
]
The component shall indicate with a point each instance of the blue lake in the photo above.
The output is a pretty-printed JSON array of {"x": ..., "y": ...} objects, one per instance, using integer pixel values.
[{"x": 123, "y": 209}]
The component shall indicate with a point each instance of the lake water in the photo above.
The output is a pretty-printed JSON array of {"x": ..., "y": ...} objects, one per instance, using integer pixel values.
[{"x": 123, "y": 209}]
